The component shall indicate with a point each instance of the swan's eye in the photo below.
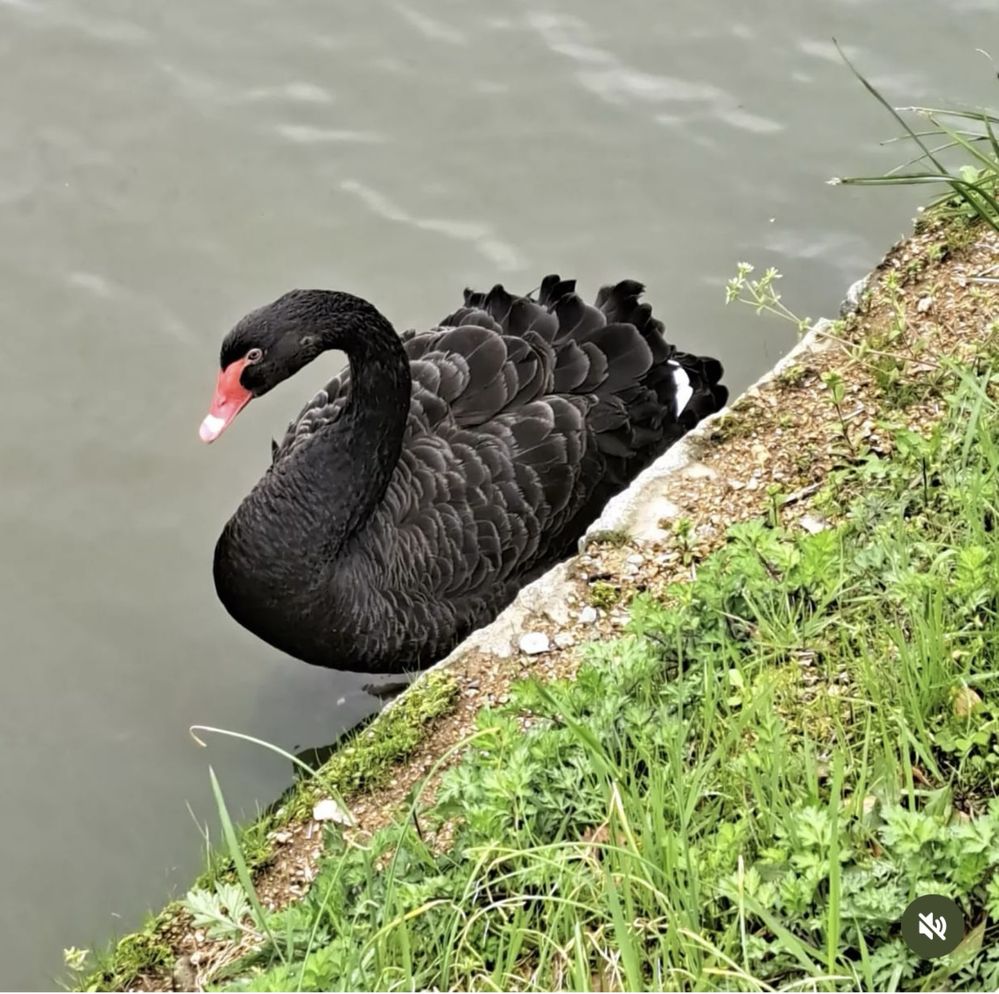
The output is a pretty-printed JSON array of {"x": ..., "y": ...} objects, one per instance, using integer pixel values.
[{"x": 254, "y": 355}]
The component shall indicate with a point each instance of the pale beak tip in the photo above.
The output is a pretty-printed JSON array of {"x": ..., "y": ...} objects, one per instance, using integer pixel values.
[{"x": 211, "y": 428}]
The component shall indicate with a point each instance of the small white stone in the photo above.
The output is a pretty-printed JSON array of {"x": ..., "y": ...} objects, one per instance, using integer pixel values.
[
  {"x": 698, "y": 471},
  {"x": 564, "y": 639},
  {"x": 924, "y": 304},
  {"x": 534, "y": 642},
  {"x": 812, "y": 523},
  {"x": 636, "y": 560},
  {"x": 588, "y": 615},
  {"x": 329, "y": 810}
]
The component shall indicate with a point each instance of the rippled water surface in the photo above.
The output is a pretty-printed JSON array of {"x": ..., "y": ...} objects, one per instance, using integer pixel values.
[{"x": 166, "y": 167}]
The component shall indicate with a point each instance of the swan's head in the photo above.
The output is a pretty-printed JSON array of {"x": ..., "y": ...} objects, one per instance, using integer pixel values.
[{"x": 265, "y": 347}]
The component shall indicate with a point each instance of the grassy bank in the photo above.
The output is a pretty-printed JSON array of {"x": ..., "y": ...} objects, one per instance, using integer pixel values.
[
  {"x": 795, "y": 733},
  {"x": 744, "y": 791}
]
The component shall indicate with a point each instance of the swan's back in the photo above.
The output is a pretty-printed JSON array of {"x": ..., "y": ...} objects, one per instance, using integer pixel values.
[{"x": 526, "y": 416}]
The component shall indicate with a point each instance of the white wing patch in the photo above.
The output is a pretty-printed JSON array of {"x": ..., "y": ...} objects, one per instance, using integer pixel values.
[{"x": 684, "y": 391}]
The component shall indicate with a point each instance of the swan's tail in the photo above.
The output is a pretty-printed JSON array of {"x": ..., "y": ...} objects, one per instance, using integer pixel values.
[
  {"x": 688, "y": 386},
  {"x": 649, "y": 393},
  {"x": 698, "y": 386}
]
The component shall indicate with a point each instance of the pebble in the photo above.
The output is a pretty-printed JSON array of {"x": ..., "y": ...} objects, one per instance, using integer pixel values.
[
  {"x": 588, "y": 615},
  {"x": 812, "y": 523},
  {"x": 329, "y": 810},
  {"x": 564, "y": 639},
  {"x": 966, "y": 702},
  {"x": 924, "y": 304},
  {"x": 534, "y": 642},
  {"x": 636, "y": 560},
  {"x": 698, "y": 471}
]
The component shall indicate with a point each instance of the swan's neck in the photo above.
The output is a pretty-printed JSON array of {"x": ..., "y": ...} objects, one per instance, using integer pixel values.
[
  {"x": 353, "y": 460},
  {"x": 278, "y": 558}
]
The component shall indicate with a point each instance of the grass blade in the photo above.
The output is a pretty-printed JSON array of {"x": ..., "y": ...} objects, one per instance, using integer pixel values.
[
  {"x": 891, "y": 110},
  {"x": 243, "y": 737},
  {"x": 979, "y": 195},
  {"x": 242, "y": 871}
]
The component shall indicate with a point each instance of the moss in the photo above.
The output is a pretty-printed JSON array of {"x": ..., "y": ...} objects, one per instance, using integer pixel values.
[
  {"x": 614, "y": 537},
  {"x": 604, "y": 595},
  {"x": 744, "y": 418},
  {"x": 133, "y": 955},
  {"x": 793, "y": 376},
  {"x": 730, "y": 426},
  {"x": 256, "y": 847},
  {"x": 367, "y": 759}
]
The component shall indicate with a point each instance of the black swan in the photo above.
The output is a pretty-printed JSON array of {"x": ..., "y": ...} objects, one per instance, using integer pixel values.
[{"x": 441, "y": 472}]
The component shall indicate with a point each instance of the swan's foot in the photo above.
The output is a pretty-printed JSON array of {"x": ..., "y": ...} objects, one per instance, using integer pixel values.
[{"x": 388, "y": 690}]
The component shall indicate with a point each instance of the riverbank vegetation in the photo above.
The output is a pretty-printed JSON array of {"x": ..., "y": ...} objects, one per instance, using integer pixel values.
[
  {"x": 753, "y": 739},
  {"x": 794, "y": 735}
]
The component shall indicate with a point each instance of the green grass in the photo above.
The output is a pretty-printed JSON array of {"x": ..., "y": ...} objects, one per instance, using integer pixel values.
[
  {"x": 969, "y": 134},
  {"x": 742, "y": 793},
  {"x": 366, "y": 759}
]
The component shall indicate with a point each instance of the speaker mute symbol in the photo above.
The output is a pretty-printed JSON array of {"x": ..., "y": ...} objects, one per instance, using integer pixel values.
[{"x": 932, "y": 928}]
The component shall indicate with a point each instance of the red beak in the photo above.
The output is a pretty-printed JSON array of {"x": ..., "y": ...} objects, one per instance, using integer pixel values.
[{"x": 230, "y": 398}]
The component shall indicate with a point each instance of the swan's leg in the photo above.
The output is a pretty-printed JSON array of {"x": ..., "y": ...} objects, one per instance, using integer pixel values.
[{"x": 387, "y": 690}]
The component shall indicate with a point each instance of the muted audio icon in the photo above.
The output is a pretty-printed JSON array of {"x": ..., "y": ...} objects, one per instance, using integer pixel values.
[{"x": 932, "y": 926}]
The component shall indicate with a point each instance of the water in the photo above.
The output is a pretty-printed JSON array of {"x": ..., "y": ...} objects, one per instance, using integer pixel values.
[{"x": 166, "y": 167}]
